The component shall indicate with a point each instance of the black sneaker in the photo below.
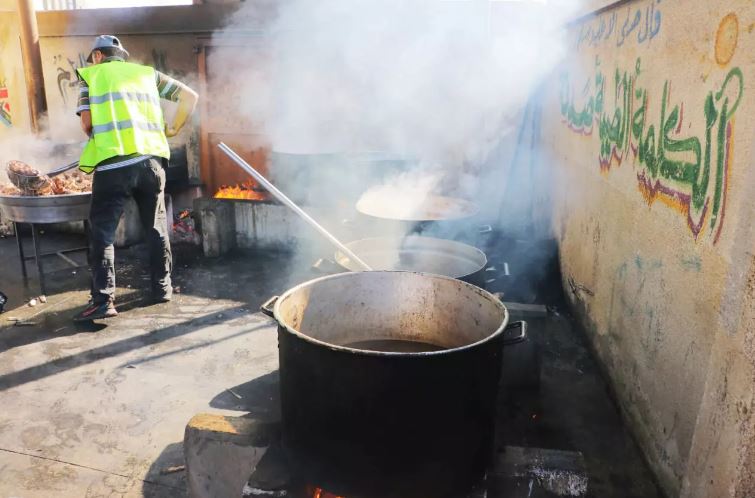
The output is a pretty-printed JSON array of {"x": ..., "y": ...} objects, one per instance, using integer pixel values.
[
  {"x": 162, "y": 296},
  {"x": 96, "y": 311}
]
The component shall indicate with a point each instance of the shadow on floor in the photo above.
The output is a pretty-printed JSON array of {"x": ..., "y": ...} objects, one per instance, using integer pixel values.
[
  {"x": 244, "y": 276},
  {"x": 259, "y": 397},
  {"x": 166, "y": 477},
  {"x": 16, "y": 336},
  {"x": 149, "y": 338}
]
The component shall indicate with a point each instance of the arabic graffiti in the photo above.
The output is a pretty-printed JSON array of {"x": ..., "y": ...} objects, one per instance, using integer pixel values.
[
  {"x": 68, "y": 83},
  {"x": 687, "y": 173},
  {"x": 645, "y": 20},
  {"x": 5, "y": 115}
]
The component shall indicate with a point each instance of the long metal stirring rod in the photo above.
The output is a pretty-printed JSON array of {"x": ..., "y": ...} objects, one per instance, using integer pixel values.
[{"x": 288, "y": 202}]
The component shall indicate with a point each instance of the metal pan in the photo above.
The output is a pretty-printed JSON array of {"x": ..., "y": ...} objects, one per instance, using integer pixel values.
[
  {"x": 421, "y": 254},
  {"x": 426, "y": 208},
  {"x": 46, "y": 208}
]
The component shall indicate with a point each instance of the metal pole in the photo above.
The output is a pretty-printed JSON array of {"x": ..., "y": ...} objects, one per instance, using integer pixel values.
[
  {"x": 35, "y": 235},
  {"x": 35, "y": 85},
  {"x": 16, "y": 229},
  {"x": 288, "y": 202}
]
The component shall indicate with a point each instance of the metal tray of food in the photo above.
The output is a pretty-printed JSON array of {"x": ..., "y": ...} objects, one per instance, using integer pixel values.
[{"x": 45, "y": 208}]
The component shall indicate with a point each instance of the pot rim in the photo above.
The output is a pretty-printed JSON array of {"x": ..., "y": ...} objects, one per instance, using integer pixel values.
[
  {"x": 339, "y": 256},
  {"x": 472, "y": 209},
  {"x": 482, "y": 292},
  {"x": 45, "y": 200}
]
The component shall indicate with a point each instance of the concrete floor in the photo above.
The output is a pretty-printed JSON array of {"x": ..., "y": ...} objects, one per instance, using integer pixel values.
[{"x": 100, "y": 411}]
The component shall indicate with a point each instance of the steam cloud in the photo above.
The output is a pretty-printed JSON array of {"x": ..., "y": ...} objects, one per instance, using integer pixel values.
[
  {"x": 442, "y": 81},
  {"x": 41, "y": 152}
]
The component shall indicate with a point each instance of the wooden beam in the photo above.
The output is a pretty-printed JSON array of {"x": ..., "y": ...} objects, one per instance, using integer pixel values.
[
  {"x": 203, "y": 18},
  {"x": 35, "y": 83}
]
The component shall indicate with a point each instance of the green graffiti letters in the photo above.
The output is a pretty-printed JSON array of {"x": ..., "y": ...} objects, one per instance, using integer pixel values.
[{"x": 689, "y": 173}]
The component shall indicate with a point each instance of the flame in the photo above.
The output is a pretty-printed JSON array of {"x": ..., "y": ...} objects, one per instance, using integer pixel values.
[
  {"x": 314, "y": 492},
  {"x": 247, "y": 190}
]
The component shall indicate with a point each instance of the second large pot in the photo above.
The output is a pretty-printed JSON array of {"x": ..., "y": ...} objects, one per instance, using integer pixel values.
[
  {"x": 421, "y": 254},
  {"x": 388, "y": 382}
]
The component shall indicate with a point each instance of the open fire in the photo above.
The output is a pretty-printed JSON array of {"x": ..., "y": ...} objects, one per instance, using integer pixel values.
[
  {"x": 248, "y": 190},
  {"x": 314, "y": 492}
]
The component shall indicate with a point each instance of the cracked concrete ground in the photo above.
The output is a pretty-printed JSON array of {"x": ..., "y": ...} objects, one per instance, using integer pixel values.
[{"x": 100, "y": 411}]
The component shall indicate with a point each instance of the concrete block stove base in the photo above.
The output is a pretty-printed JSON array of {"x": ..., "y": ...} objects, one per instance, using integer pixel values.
[
  {"x": 221, "y": 452},
  {"x": 230, "y": 224}
]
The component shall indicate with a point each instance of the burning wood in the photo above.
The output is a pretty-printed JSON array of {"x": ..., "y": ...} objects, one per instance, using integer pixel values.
[
  {"x": 184, "y": 229},
  {"x": 248, "y": 191},
  {"x": 314, "y": 492}
]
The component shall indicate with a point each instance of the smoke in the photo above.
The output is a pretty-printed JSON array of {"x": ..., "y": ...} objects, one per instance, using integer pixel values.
[
  {"x": 40, "y": 151},
  {"x": 441, "y": 83},
  {"x": 437, "y": 80},
  {"x": 403, "y": 196}
]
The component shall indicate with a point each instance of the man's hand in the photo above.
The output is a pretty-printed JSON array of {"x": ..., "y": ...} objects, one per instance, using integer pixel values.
[{"x": 187, "y": 101}]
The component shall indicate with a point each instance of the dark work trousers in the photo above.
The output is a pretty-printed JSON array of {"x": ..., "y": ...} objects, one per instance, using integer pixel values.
[{"x": 145, "y": 182}]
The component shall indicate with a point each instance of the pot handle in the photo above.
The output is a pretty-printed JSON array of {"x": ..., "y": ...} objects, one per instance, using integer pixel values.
[
  {"x": 512, "y": 336},
  {"x": 491, "y": 270},
  {"x": 267, "y": 306},
  {"x": 492, "y": 273}
]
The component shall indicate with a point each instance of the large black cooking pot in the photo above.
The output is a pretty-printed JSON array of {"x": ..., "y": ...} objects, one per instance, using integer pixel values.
[
  {"x": 388, "y": 382},
  {"x": 418, "y": 253}
]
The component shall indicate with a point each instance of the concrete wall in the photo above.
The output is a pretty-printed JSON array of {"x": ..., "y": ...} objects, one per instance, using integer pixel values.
[
  {"x": 166, "y": 38},
  {"x": 14, "y": 111},
  {"x": 650, "y": 125},
  {"x": 173, "y": 54}
]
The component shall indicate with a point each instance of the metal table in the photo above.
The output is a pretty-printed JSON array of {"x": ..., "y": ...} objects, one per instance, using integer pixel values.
[
  {"x": 38, "y": 255},
  {"x": 37, "y": 211}
]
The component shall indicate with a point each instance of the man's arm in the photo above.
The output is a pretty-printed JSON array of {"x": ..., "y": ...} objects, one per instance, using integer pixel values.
[
  {"x": 82, "y": 108},
  {"x": 185, "y": 97},
  {"x": 86, "y": 122},
  {"x": 187, "y": 102}
]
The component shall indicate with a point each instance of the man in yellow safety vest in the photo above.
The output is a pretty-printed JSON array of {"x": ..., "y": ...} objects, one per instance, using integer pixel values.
[{"x": 119, "y": 107}]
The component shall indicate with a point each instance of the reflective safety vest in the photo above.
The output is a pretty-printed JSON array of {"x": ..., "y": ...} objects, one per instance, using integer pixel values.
[{"x": 126, "y": 113}]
